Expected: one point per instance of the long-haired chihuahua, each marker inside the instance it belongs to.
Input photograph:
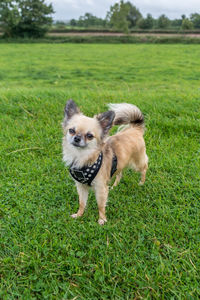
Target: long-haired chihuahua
(94, 157)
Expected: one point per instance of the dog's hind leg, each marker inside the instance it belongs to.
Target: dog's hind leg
(117, 180)
(143, 177)
(143, 172)
(83, 196)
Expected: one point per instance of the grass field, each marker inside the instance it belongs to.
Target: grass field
(150, 247)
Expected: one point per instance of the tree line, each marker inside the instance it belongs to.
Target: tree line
(124, 16)
(33, 18)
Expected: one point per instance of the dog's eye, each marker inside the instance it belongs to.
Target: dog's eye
(72, 131)
(89, 136)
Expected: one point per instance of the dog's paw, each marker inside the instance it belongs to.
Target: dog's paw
(102, 222)
(74, 216)
(140, 183)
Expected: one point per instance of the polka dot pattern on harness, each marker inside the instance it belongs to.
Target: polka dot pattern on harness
(86, 174)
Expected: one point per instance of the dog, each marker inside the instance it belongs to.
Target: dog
(94, 157)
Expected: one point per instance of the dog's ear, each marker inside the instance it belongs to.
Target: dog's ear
(70, 109)
(106, 121)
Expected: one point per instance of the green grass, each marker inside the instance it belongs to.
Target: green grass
(149, 249)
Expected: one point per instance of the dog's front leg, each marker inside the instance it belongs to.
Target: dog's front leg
(82, 190)
(101, 196)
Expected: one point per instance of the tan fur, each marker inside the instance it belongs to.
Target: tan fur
(128, 145)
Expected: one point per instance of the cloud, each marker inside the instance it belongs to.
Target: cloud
(172, 8)
(68, 9)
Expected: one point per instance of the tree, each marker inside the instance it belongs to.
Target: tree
(163, 22)
(25, 18)
(133, 15)
(186, 24)
(73, 22)
(122, 16)
(89, 20)
(118, 17)
(195, 18)
(146, 23)
(176, 22)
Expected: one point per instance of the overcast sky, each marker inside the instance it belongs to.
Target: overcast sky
(68, 9)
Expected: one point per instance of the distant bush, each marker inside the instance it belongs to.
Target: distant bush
(88, 20)
(126, 39)
(187, 24)
(146, 23)
(163, 22)
(195, 19)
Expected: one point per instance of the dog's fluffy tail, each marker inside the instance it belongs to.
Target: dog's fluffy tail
(127, 114)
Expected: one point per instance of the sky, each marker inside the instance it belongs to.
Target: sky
(73, 9)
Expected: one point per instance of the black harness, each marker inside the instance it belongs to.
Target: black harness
(114, 165)
(86, 174)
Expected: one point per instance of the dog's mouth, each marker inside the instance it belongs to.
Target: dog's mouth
(78, 145)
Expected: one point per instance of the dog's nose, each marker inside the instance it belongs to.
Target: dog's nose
(77, 138)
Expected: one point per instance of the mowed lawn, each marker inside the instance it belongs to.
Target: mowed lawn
(150, 247)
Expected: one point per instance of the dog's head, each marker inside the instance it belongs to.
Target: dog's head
(83, 132)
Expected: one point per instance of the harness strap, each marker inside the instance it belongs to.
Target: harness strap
(86, 174)
(114, 165)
